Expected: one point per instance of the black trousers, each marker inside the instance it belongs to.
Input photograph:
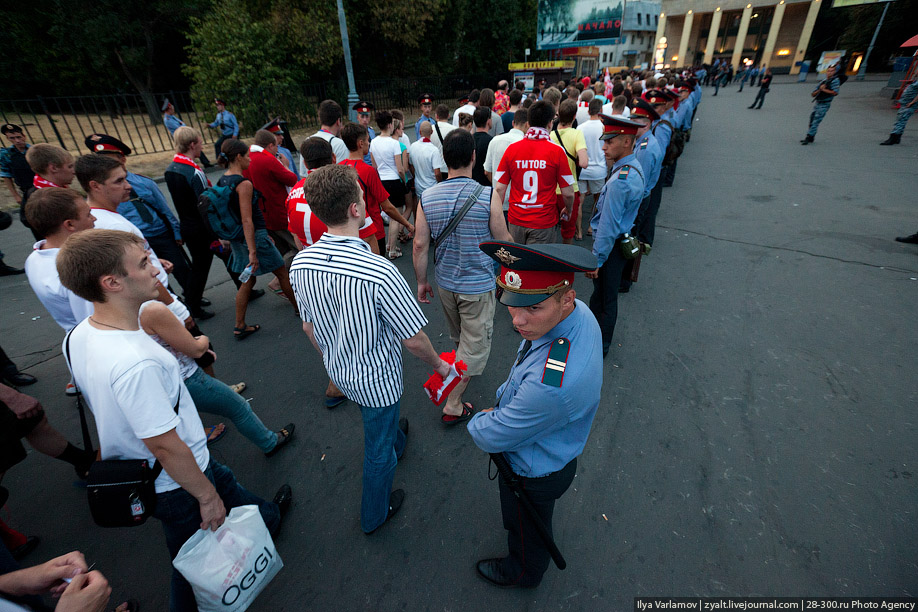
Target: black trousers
(604, 301)
(760, 97)
(529, 558)
(198, 240)
(217, 146)
(668, 174)
(638, 231)
(645, 225)
(6, 364)
(165, 248)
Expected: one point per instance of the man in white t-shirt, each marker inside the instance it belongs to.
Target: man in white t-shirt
(105, 182)
(330, 124)
(426, 161)
(593, 177)
(142, 408)
(469, 104)
(499, 144)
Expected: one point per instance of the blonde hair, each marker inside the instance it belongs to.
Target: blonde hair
(41, 156)
(184, 137)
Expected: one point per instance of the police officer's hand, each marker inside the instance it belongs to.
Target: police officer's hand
(592, 274)
(425, 292)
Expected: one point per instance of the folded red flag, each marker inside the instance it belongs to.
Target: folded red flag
(438, 389)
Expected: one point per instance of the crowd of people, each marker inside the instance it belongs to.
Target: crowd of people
(495, 194)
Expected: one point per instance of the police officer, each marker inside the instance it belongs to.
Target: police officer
(545, 408)
(172, 123)
(613, 217)
(148, 210)
(650, 156)
(426, 102)
(14, 169)
(907, 106)
(364, 109)
(226, 123)
(822, 100)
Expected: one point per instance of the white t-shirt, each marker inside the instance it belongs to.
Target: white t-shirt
(187, 365)
(496, 149)
(607, 110)
(445, 128)
(338, 148)
(106, 219)
(65, 307)
(596, 170)
(384, 150)
(468, 109)
(583, 113)
(425, 157)
(131, 384)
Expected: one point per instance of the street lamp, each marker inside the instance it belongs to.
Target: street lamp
(352, 98)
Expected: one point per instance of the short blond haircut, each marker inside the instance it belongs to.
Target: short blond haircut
(185, 137)
(88, 256)
(41, 156)
(552, 95)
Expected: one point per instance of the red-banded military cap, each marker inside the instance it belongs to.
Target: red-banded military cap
(10, 128)
(425, 99)
(103, 143)
(530, 273)
(463, 99)
(616, 126)
(273, 126)
(363, 107)
(642, 108)
(654, 96)
(219, 101)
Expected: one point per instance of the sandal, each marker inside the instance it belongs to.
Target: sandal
(395, 253)
(283, 436)
(245, 332)
(213, 436)
(239, 387)
(453, 419)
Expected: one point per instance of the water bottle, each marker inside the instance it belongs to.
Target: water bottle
(246, 274)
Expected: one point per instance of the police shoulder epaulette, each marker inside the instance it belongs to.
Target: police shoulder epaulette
(553, 373)
(644, 145)
(623, 173)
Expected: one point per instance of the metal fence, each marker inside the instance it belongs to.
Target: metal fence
(135, 118)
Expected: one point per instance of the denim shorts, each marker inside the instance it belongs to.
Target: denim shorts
(269, 258)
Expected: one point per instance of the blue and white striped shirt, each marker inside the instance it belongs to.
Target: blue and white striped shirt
(361, 308)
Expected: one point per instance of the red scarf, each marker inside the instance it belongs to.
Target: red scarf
(537, 133)
(41, 183)
(425, 139)
(184, 159)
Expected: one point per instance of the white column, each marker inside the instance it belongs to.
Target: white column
(804, 41)
(741, 37)
(773, 33)
(712, 35)
(683, 42)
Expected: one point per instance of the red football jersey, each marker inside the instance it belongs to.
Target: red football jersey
(308, 227)
(534, 169)
(373, 192)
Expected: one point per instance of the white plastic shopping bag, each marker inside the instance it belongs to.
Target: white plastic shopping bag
(229, 567)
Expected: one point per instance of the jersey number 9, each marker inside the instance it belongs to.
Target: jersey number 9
(530, 186)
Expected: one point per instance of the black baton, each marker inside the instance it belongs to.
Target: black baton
(513, 481)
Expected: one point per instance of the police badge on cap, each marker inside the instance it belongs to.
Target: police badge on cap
(530, 273)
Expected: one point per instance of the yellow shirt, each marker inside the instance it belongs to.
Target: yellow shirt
(573, 142)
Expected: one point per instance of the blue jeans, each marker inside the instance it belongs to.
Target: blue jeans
(214, 397)
(383, 445)
(181, 518)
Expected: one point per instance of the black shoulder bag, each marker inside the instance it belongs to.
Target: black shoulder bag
(573, 158)
(451, 226)
(121, 492)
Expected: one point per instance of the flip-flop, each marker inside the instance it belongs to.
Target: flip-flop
(239, 387)
(451, 419)
(244, 332)
(211, 431)
(333, 402)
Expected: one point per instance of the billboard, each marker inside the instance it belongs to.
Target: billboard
(838, 3)
(579, 23)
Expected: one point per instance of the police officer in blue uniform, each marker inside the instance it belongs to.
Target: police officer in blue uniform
(148, 210)
(172, 123)
(363, 109)
(546, 407)
(426, 102)
(226, 123)
(650, 156)
(14, 169)
(613, 217)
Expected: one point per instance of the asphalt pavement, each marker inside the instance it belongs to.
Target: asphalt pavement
(756, 434)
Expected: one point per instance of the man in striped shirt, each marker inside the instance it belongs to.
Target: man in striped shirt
(357, 310)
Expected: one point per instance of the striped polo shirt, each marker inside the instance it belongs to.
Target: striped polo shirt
(460, 266)
(361, 308)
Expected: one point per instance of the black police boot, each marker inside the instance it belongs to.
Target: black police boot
(893, 139)
(807, 140)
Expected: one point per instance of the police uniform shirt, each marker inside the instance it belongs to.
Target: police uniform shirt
(172, 123)
(617, 206)
(144, 214)
(289, 156)
(417, 125)
(230, 127)
(13, 165)
(542, 427)
(649, 154)
(662, 131)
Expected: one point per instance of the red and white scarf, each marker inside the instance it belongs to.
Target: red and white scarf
(537, 133)
(41, 183)
(184, 159)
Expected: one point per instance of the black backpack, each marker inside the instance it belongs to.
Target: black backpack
(676, 144)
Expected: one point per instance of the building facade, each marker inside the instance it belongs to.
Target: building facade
(639, 25)
(775, 34)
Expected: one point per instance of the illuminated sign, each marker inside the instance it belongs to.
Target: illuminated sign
(554, 65)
